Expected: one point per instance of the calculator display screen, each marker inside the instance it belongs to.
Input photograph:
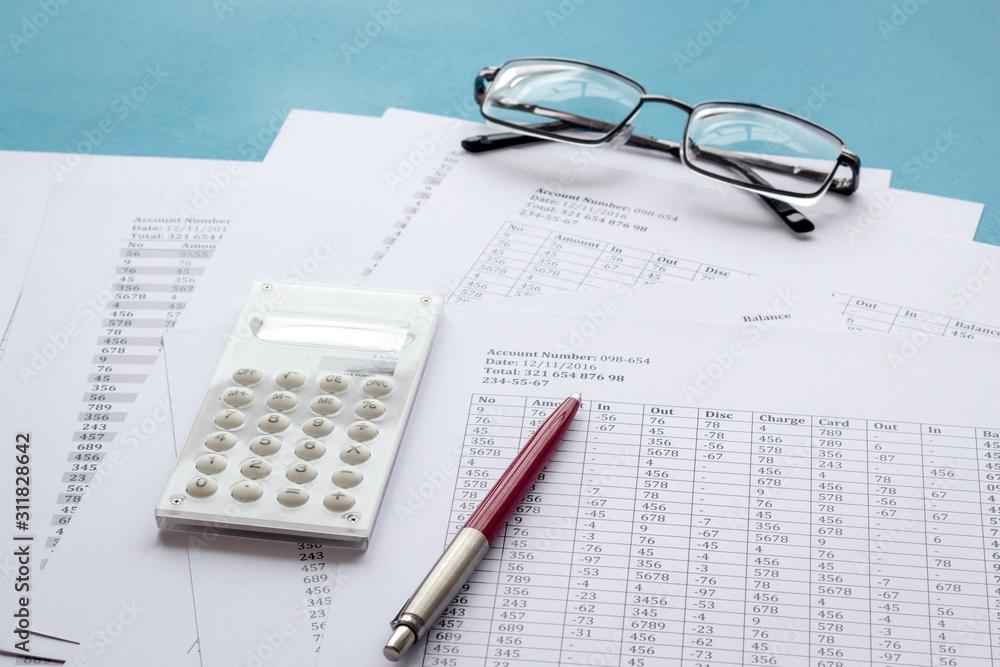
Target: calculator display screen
(339, 331)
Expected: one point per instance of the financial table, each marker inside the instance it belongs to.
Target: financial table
(525, 260)
(666, 535)
(160, 263)
(865, 314)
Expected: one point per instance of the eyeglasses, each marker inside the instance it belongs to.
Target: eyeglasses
(578, 103)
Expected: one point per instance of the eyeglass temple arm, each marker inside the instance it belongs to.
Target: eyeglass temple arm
(792, 217)
(490, 142)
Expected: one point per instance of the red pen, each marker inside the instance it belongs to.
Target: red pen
(462, 556)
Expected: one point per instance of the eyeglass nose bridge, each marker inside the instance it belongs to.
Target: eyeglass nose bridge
(625, 133)
(653, 99)
(662, 99)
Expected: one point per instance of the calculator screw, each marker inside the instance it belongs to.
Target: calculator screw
(176, 500)
(266, 286)
(425, 300)
(353, 517)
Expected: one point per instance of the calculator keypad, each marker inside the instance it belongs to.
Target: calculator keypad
(289, 426)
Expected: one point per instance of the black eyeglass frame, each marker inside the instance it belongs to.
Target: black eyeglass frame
(779, 200)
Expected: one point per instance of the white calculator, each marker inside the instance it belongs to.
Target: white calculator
(304, 413)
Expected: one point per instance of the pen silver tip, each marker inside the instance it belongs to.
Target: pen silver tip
(578, 396)
(402, 638)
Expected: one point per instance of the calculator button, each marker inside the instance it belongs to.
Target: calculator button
(300, 473)
(318, 427)
(325, 405)
(273, 423)
(338, 501)
(334, 383)
(293, 496)
(229, 419)
(282, 400)
(201, 487)
(370, 408)
(247, 376)
(377, 387)
(362, 431)
(265, 445)
(290, 379)
(256, 468)
(346, 478)
(310, 450)
(247, 492)
(237, 397)
(355, 454)
(220, 441)
(211, 464)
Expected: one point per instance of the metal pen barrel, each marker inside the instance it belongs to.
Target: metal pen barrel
(452, 570)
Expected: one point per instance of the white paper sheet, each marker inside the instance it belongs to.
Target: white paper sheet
(543, 232)
(853, 481)
(117, 581)
(322, 191)
(113, 267)
(121, 203)
(25, 187)
(26, 179)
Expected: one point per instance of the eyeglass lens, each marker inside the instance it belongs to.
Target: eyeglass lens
(790, 155)
(565, 99)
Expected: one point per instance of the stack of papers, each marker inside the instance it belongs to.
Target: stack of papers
(786, 452)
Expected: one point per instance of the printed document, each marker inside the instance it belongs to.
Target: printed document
(722, 498)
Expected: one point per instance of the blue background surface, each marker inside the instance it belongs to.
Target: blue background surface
(910, 85)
